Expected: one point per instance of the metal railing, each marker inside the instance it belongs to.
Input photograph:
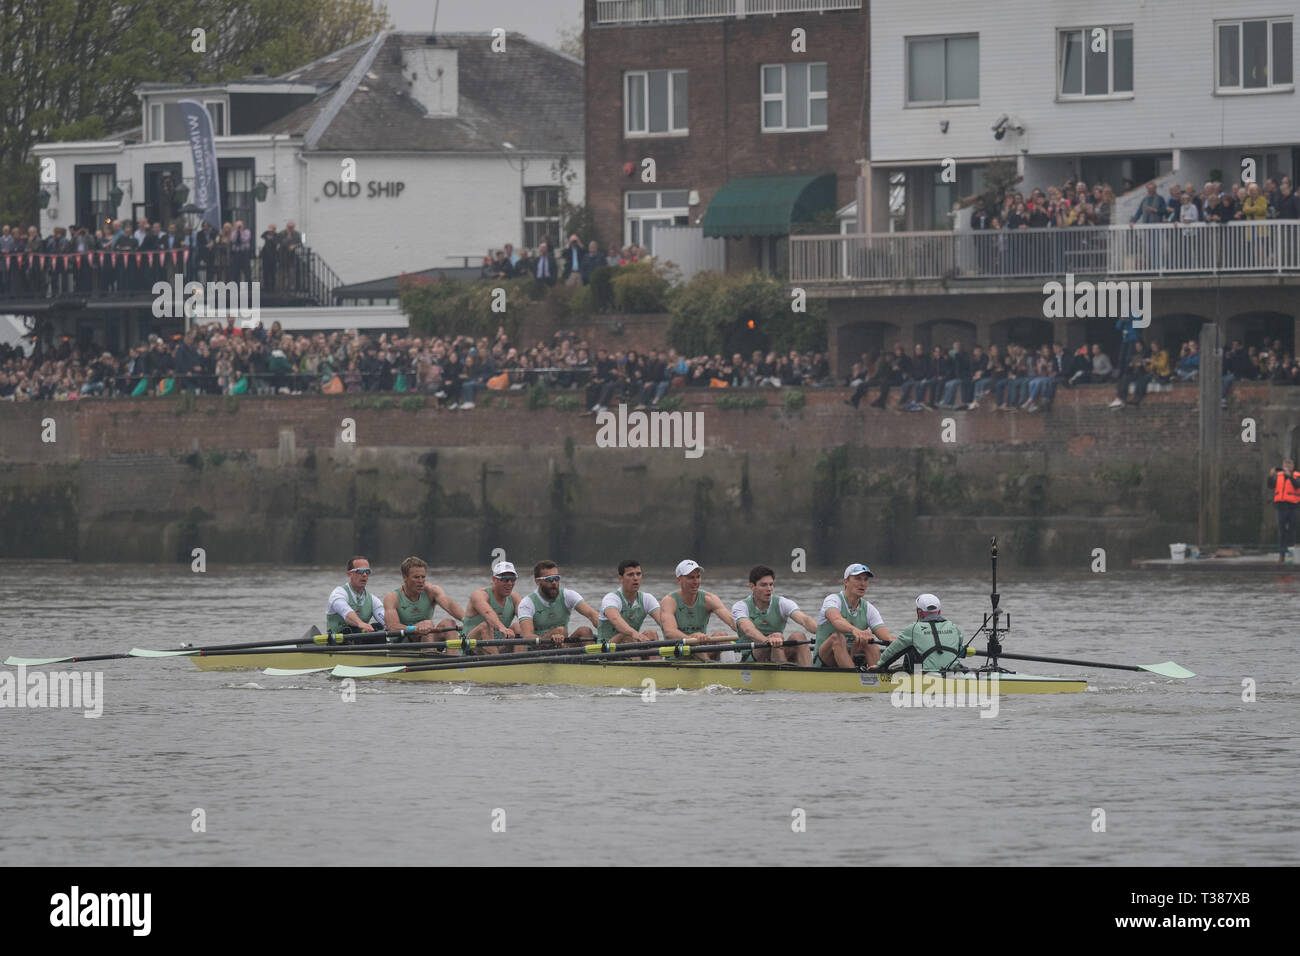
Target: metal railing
(304, 278)
(652, 11)
(1271, 246)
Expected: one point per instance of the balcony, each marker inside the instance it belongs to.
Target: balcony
(1269, 247)
(613, 12)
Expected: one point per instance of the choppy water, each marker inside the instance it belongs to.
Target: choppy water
(287, 773)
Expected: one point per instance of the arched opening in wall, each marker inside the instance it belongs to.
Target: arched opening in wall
(1263, 330)
(1172, 331)
(944, 332)
(1024, 331)
(854, 338)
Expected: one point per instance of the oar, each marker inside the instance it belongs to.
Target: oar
(1165, 669)
(414, 649)
(677, 649)
(311, 635)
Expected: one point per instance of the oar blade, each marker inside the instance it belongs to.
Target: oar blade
(1168, 669)
(346, 670)
(144, 652)
(35, 661)
(292, 671)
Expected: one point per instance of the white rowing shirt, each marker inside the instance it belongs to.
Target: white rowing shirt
(741, 609)
(874, 620)
(615, 600)
(338, 604)
(526, 609)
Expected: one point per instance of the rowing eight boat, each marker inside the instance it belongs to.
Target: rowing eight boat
(666, 675)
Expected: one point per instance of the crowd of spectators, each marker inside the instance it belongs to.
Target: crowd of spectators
(131, 256)
(1076, 204)
(1015, 377)
(573, 266)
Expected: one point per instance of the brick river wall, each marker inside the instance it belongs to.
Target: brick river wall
(274, 480)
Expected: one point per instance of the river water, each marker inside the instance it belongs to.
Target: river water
(286, 772)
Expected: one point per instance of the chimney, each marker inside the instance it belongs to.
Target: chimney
(432, 78)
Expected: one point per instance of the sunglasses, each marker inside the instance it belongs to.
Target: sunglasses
(360, 571)
(550, 578)
(504, 577)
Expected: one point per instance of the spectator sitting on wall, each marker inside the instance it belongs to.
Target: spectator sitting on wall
(1080, 368)
(1189, 362)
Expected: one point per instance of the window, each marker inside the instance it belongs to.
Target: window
(943, 70)
(541, 215)
(155, 123)
(646, 210)
(237, 203)
(1096, 61)
(217, 110)
(794, 97)
(654, 103)
(94, 208)
(1253, 55)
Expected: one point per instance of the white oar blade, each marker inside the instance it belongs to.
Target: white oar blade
(143, 652)
(35, 661)
(1168, 669)
(293, 672)
(345, 670)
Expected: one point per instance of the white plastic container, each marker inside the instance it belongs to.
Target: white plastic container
(1178, 552)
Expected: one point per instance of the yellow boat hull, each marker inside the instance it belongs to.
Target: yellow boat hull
(668, 675)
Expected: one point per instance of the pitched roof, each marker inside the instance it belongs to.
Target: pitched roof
(530, 97)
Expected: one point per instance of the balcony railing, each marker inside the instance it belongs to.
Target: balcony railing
(654, 11)
(128, 278)
(1271, 246)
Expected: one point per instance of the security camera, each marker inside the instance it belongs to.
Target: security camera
(1001, 125)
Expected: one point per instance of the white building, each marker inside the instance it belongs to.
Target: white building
(455, 147)
(1103, 90)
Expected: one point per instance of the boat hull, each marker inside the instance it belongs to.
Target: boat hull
(668, 675)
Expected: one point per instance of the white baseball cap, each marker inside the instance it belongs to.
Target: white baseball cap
(928, 604)
(685, 568)
(853, 570)
(503, 567)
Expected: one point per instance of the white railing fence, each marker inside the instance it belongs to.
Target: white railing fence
(1272, 246)
(651, 11)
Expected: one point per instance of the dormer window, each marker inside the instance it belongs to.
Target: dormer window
(217, 110)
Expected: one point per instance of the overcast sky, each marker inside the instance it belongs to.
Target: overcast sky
(538, 19)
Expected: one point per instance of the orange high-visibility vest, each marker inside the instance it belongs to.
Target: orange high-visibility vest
(1287, 488)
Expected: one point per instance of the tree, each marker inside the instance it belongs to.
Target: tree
(570, 39)
(75, 66)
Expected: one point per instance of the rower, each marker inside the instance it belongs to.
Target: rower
(685, 612)
(623, 611)
(545, 612)
(492, 609)
(847, 621)
(351, 607)
(761, 618)
(413, 603)
(931, 642)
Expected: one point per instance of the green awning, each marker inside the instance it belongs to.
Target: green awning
(766, 205)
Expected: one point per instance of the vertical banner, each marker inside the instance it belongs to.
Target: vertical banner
(203, 147)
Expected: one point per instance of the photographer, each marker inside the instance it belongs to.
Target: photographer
(1285, 483)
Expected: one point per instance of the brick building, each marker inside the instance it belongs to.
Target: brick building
(751, 126)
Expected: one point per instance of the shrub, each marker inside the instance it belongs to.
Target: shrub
(794, 400)
(451, 307)
(639, 287)
(670, 403)
(412, 403)
(538, 398)
(565, 403)
(741, 313)
(602, 287)
(742, 402)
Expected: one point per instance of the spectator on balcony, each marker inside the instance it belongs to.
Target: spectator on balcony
(572, 261)
(1288, 206)
(592, 261)
(290, 248)
(241, 253)
(979, 217)
(141, 232)
(545, 269)
(1189, 211)
(1215, 210)
(269, 256)
(1254, 207)
(1151, 209)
